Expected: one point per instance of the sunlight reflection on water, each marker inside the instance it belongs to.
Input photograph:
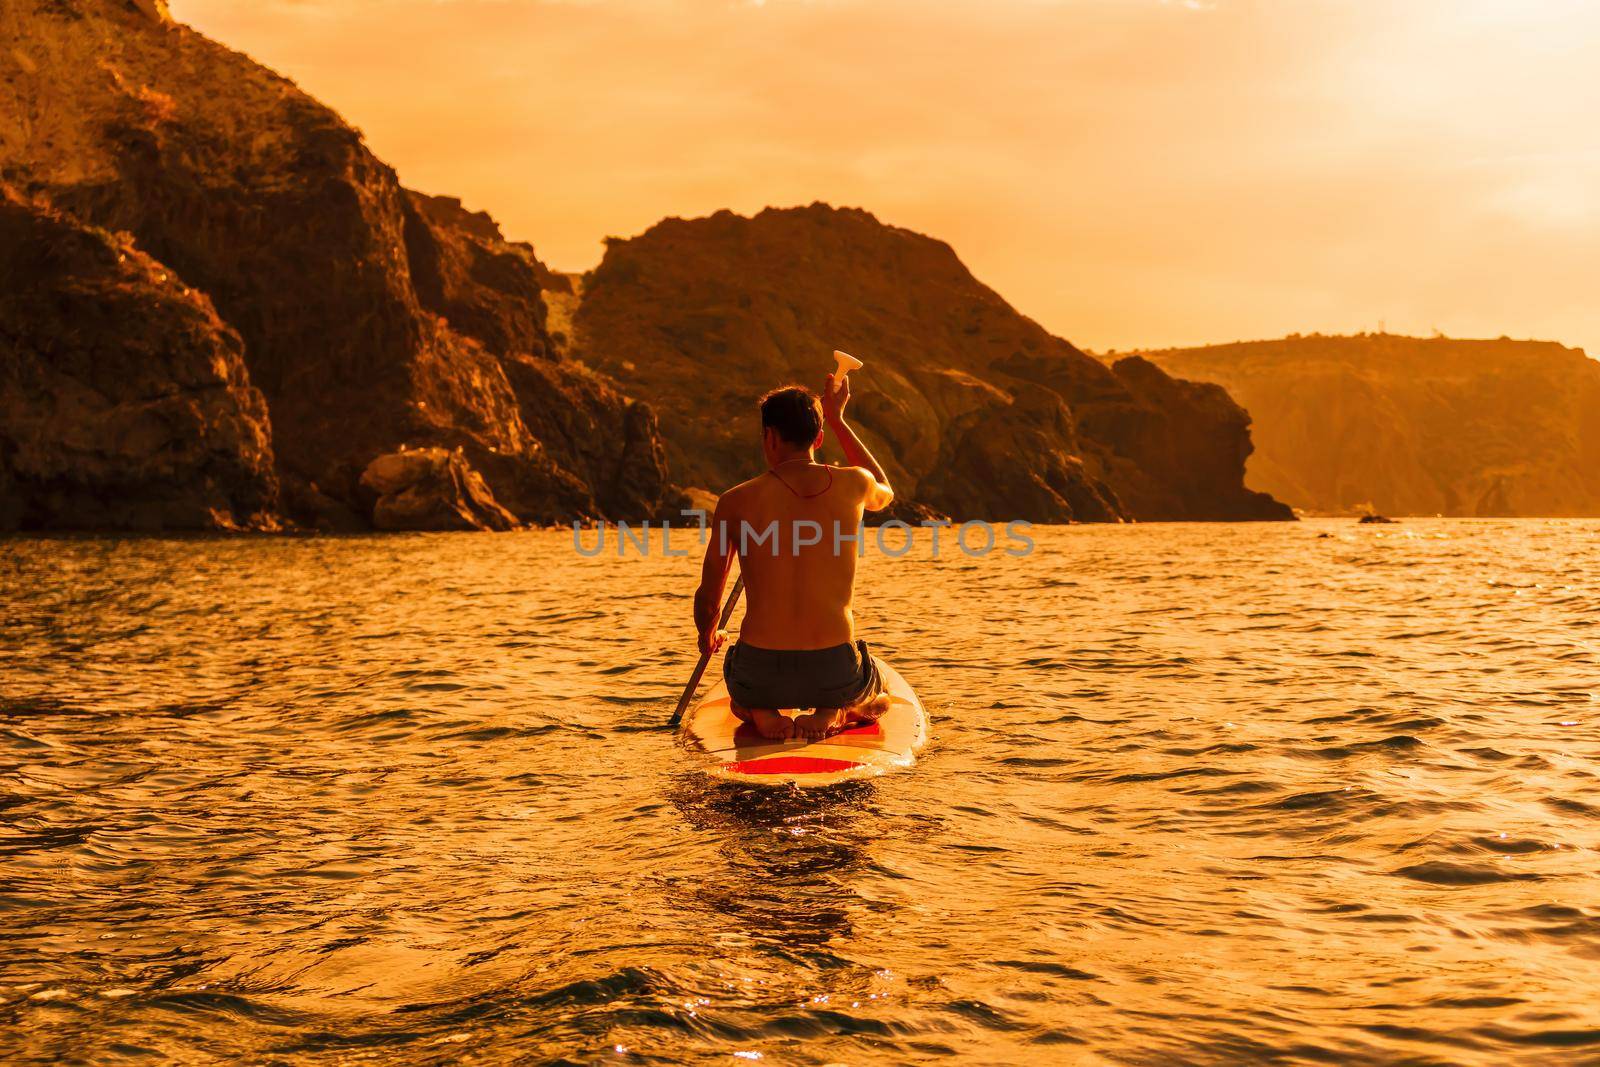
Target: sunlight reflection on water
(1273, 793)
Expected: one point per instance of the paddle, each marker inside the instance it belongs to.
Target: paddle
(705, 657)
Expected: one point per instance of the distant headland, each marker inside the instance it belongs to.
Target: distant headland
(1414, 425)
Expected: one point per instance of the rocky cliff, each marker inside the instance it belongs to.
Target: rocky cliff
(1415, 426)
(372, 320)
(608, 456)
(124, 399)
(975, 409)
(397, 351)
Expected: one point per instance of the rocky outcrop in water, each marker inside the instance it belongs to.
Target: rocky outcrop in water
(1173, 449)
(371, 319)
(973, 408)
(431, 489)
(124, 399)
(1415, 426)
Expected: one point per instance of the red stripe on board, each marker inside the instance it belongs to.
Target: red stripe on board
(790, 765)
(746, 735)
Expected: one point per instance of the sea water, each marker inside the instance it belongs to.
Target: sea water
(1279, 793)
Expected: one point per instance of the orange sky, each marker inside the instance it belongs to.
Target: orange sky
(1129, 172)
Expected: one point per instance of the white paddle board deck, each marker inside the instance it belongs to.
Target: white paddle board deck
(735, 751)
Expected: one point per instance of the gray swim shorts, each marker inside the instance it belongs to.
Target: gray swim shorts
(810, 678)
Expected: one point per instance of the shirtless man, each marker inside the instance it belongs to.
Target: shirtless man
(794, 529)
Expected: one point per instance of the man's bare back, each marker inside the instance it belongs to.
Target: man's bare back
(795, 529)
(798, 595)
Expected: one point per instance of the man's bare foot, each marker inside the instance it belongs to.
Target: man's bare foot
(869, 711)
(818, 724)
(773, 725)
(825, 721)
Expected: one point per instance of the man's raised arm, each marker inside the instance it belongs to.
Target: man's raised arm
(834, 397)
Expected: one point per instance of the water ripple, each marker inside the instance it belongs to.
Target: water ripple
(1203, 794)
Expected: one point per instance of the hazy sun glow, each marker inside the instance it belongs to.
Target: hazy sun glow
(1130, 172)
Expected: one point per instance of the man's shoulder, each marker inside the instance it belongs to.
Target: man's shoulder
(859, 477)
(864, 484)
(739, 492)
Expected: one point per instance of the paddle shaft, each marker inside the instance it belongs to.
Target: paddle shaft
(705, 657)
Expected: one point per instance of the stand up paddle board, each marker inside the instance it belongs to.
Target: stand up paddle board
(735, 751)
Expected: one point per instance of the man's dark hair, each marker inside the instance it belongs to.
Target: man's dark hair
(793, 411)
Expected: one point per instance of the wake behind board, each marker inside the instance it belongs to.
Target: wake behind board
(735, 751)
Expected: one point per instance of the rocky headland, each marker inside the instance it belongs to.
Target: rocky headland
(978, 411)
(1412, 425)
(124, 399)
(222, 311)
